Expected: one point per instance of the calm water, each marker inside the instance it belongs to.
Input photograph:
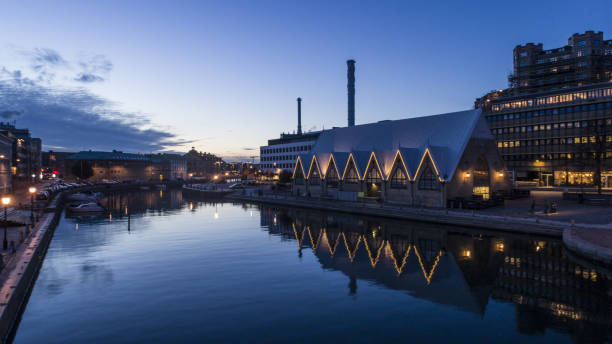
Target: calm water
(178, 270)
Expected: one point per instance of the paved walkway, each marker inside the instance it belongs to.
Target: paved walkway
(593, 243)
(567, 210)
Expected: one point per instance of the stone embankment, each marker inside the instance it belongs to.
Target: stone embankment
(592, 243)
(21, 271)
(531, 225)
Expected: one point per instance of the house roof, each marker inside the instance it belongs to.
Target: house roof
(443, 136)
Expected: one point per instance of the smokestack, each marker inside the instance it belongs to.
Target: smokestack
(350, 74)
(299, 100)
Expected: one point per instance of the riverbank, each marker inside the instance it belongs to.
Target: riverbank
(21, 271)
(535, 225)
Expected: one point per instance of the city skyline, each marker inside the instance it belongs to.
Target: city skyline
(225, 79)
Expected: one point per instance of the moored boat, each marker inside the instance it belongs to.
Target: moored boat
(90, 207)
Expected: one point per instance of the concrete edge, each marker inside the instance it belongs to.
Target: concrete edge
(21, 273)
(586, 248)
(507, 225)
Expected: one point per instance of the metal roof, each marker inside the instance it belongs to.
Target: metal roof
(443, 137)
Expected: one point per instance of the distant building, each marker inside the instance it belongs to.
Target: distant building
(6, 153)
(202, 164)
(54, 163)
(121, 166)
(26, 152)
(424, 161)
(281, 153)
(554, 124)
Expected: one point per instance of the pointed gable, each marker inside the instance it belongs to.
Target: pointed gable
(323, 162)
(411, 158)
(306, 160)
(361, 159)
(341, 159)
(385, 159)
(446, 134)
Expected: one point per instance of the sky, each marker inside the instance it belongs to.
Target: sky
(223, 76)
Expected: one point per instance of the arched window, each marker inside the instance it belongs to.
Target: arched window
(351, 176)
(332, 175)
(428, 180)
(399, 179)
(299, 175)
(315, 177)
(373, 175)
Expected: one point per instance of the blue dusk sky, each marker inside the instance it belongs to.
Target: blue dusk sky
(223, 76)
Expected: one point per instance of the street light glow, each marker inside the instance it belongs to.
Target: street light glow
(32, 189)
(6, 200)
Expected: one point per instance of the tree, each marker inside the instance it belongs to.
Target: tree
(82, 170)
(284, 177)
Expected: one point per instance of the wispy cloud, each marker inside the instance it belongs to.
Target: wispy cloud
(85, 77)
(74, 118)
(94, 68)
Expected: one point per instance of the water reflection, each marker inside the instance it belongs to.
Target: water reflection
(459, 267)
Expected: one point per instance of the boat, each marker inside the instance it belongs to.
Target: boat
(90, 207)
(83, 197)
(207, 190)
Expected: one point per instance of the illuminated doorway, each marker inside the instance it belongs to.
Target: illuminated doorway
(482, 181)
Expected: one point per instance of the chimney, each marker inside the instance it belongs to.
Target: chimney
(351, 91)
(299, 100)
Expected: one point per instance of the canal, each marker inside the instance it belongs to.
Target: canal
(165, 267)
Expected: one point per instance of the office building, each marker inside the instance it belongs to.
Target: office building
(553, 125)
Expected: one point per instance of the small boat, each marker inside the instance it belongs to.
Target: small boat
(91, 207)
(207, 190)
(83, 197)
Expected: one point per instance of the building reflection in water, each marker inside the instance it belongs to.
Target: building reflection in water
(459, 267)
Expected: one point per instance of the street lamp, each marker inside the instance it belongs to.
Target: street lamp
(5, 202)
(32, 191)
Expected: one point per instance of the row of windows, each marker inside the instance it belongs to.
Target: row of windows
(278, 157)
(558, 141)
(289, 165)
(286, 149)
(558, 156)
(549, 112)
(399, 178)
(548, 100)
(551, 126)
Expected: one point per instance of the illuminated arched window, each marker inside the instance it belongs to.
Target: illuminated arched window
(332, 175)
(299, 175)
(399, 178)
(373, 175)
(315, 177)
(428, 180)
(351, 176)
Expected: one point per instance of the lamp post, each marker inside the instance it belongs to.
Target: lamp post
(5, 202)
(32, 191)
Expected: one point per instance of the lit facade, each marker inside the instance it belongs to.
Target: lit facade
(26, 159)
(281, 153)
(121, 166)
(424, 161)
(554, 124)
(6, 153)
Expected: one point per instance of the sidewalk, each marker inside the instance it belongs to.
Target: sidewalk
(594, 243)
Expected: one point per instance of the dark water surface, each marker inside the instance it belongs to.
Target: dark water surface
(179, 270)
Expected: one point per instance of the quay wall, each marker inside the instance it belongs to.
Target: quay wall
(439, 216)
(19, 275)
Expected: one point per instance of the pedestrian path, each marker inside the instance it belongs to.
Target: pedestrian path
(594, 243)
